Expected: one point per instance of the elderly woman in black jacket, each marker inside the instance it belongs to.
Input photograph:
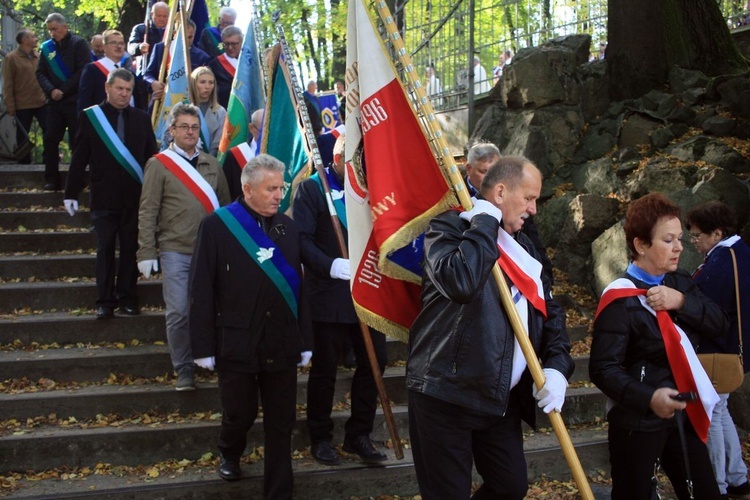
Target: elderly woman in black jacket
(642, 356)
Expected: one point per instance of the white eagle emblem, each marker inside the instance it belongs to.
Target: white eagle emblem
(264, 254)
(52, 55)
(337, 195)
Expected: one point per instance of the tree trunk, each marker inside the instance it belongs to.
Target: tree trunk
(646, 38)
(133, 12)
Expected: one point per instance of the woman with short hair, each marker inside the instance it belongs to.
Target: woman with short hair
(713, 232)
(642, 357)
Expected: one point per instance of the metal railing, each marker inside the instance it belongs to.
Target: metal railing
(443, 39)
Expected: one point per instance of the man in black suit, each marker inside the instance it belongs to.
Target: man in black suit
(225, 65)
(115, 140)
(252, 323)
(91, 89)
(61, 63)
(328, 275)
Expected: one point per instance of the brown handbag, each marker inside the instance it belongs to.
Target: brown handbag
(725, 370)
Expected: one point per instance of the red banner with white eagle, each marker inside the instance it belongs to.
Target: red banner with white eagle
(394, 185)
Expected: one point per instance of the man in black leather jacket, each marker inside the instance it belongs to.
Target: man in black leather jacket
(468, 384)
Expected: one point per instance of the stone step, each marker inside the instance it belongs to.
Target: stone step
(44, 447)
(65, 328)
(582, 404)
(21, 199)
(95, 364)
(352, 479)
(14, 176)
(49, 267)
(47, 242)
(127, 400)
(43, 219)
(58, 295)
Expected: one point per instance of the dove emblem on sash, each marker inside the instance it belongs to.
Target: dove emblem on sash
(337, 195)
(264, 254)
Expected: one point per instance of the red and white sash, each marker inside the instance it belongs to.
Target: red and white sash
(688, 373)
(190, 177)
(243, 153)
(525, 272)
(105, 65)
(229, 65)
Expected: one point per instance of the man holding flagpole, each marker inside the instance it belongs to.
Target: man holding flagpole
(114, 140)
(469, 386)
(181, 185)
(334, 320)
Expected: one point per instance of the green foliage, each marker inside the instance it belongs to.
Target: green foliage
(310, 27)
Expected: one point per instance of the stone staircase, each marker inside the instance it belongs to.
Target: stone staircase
(88, 408)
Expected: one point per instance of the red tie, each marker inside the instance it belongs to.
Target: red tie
(678, 362)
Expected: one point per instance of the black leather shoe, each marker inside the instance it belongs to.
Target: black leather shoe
(362, 446)
(130, 310)
(229, 470)
(104, 312)
(325, 454)
(52, 185)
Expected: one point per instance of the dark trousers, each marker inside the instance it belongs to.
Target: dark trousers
(322, 382)
(445, 438)
(633, 455)
(26, 116)
(59, 117)
(109, 225)
(239, 400)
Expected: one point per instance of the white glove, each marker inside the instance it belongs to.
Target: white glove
(482, 207)
(340, 269)
(146, 267)
(71, 206)
(305, 357)
(208, 363)
(552, 395)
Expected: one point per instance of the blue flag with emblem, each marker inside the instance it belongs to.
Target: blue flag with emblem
(177, 85)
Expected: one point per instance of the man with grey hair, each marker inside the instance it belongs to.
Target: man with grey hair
(313, 107)
(237, 157)
(97, 47)
(250, 320)
(58, 72)
(480, 157)
(141, 40)
(224, 65)
(211, 40)
(22, 94)
(468, 382)
(181, 185)
(114, 141)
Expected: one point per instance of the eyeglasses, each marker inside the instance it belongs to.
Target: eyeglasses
(695, 236)
(116, 44)
(185, 128)
(232, 44)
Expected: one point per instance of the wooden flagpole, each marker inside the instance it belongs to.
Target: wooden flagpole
(163, 67)
(319, 167)
(445, 159)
